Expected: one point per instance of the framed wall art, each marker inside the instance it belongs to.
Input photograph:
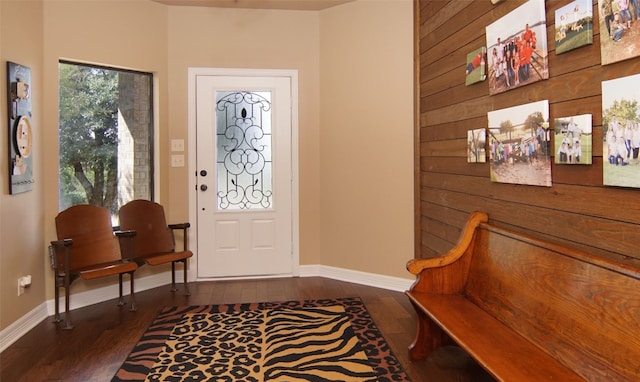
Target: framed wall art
(476, 146)
(519, 144)
(573, 142)
(620, 132)
(618, 30)
(574, 26)
(475, 69)
(20, 128)
(517, 48)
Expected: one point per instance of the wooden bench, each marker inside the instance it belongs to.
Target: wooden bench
(528, 310)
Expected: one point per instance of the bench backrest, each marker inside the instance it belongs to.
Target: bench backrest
(582, 310)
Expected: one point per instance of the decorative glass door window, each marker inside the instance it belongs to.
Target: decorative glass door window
(243, 145)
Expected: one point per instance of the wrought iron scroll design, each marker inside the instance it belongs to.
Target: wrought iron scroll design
(242, 154)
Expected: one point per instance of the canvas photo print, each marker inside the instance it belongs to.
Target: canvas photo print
(519, 139)
(621, 133)
(572, 141)
(574, 26)
(476, 146)
(475, 70)
(517, 48)
(619, 30)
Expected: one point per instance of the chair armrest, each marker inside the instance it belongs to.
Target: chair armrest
(125, 234)
(183, 227)
(62, 243)
(127, 244)
(180, 226)
(57, 245)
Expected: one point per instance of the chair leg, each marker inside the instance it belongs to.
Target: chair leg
(56, 317)
(120, 298)
(67, 315)
(186, 285)
(173, 276)
(133, 307)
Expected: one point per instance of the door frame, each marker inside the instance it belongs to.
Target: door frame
(193, 73)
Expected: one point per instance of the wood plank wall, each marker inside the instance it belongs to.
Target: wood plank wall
(577, 211)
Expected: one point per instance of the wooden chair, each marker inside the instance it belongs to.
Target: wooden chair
(87, 248)
(154, 242)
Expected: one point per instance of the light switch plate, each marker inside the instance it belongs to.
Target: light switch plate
(177, 160)
(177, 145)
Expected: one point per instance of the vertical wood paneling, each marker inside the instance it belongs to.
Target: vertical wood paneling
(577, 211)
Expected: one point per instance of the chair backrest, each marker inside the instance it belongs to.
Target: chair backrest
(147, 218)
(93, 239)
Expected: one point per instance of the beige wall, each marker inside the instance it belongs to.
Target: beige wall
(366, 137)
(21, 220)
(131, 35)
(355, 118)
(263, 39)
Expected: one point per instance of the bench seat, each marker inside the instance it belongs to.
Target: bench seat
(507, 356)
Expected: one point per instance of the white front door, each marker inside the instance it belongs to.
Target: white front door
(244, 175)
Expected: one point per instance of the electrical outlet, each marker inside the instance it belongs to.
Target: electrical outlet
(23, 282)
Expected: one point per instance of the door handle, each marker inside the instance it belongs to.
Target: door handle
(203, 187)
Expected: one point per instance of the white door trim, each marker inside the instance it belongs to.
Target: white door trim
(191, 157)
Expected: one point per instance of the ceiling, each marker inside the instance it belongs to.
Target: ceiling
(297, 5)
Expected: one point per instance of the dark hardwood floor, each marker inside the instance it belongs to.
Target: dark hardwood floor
(104, 333)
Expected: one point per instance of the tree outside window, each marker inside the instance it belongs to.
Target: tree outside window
(106, 136)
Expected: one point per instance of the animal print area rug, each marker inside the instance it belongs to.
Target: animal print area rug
(311, 340)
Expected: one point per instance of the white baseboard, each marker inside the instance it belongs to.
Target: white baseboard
(370, 279)
(93, 296)
(17, 329)
(78, 300)
(13, 332)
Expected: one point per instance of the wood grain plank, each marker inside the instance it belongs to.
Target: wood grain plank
(447, 109)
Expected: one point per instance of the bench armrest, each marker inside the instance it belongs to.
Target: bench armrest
(447, 274)
(415, 266)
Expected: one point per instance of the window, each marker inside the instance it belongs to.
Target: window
(243, 149)
(106, 136)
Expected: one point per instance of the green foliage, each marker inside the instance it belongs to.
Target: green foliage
(624, 110)
(73, 193)
(88, 123)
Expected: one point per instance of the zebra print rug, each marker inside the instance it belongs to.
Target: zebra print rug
(310, 340)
